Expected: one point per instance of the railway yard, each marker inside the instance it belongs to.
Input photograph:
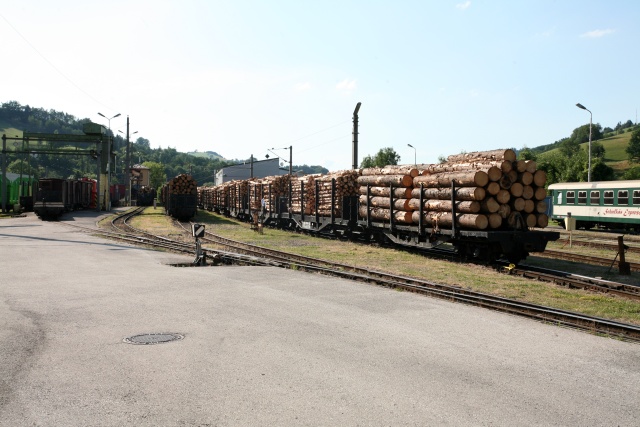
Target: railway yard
(284, 328)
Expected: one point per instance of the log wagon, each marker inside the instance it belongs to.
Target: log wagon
(180, 197)
(484, 205)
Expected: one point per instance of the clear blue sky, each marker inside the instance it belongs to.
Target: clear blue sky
(242, 76)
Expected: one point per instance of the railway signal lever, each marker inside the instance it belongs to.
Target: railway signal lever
(197, 230)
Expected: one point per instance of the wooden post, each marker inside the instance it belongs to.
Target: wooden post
(623, 266)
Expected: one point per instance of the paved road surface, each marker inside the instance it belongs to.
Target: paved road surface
(266, 346)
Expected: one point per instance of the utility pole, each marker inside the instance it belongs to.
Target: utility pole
(355, 136)
(128, 170)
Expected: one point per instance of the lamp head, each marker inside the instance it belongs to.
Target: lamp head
(410, 145)
(581, 106)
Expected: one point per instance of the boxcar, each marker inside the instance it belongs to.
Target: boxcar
(53, 197)
(606, 204)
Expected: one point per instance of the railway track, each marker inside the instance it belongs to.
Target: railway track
(121, 224)
(449, 292)
(253, 255)
(567, 256)
(576, 281)
(632, 247)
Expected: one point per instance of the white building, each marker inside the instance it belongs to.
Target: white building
(260, 168)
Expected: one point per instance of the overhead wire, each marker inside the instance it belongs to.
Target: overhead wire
(52, 65)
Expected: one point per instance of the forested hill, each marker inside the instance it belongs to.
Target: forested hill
(16, 118)
(615, 154)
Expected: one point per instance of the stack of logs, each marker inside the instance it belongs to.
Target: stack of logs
(379, 182)
(183, 184)
(237, 193)
(270, 188)
(346, 184)
(146, 190)
(303, 185)
(493, 190)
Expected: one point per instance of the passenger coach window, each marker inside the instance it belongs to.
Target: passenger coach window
(636, 197)
(582, 197)
(608, 197)
(623, 197)
(571, 197)
(595, 198)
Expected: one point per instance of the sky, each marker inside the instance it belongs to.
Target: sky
(242, 77)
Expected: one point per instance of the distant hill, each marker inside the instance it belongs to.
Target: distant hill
(615, 155)
(212, 155)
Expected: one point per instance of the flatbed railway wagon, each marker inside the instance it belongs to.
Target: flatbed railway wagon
(145, 196)
(180, 197)
(401, 210)
(605, 204)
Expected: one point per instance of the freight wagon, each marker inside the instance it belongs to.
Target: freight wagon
(145, 196)
(18, 190)
(402, 209)
(55, 196)
(179, 197)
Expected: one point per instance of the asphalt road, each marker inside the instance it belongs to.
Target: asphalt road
(272, 347)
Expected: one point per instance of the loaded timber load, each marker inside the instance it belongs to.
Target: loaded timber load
(484, 204)
(145, 196)
(498, 190)
(180, 197)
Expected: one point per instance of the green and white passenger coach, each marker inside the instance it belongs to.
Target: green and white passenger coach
(606, 204)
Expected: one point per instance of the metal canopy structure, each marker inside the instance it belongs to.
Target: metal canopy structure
(94, 135)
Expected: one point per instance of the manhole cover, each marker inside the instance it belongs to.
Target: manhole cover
(147, 339)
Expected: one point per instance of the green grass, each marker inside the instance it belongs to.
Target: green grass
(471, 276)
(615, 147)
(10, 131)
(615, 152)
(206, 154)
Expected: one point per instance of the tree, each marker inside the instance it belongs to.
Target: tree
(633, 149)
(387, 156)
(560, 168)
(569, 147)
(367, 162)
(18, 166)
(633, 173)
(157, 175)
(527, 154)
(384, 157)
(581, 134)
(597, 150)
(601, 171)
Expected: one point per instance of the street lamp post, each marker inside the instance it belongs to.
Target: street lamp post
(590, 124)
(290, 148)
(109, 140)
(415, 161)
